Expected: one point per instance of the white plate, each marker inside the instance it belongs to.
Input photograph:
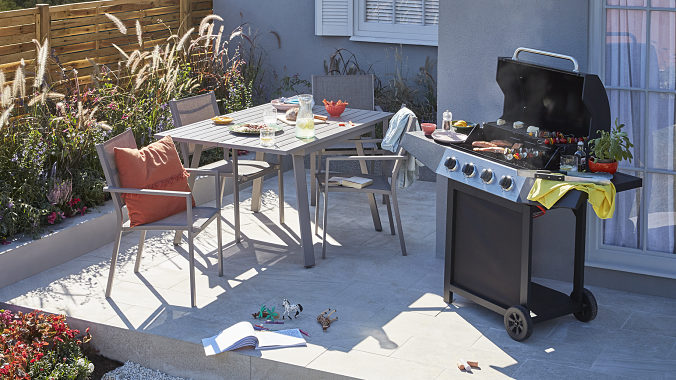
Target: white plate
(448, 137)
(283, 119)
(277, 103)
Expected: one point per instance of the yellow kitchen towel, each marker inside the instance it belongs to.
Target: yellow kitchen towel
(601, 197)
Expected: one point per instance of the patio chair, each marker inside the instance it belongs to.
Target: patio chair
(197, 108)
(386, 185)
(358, 91)
(194, 219)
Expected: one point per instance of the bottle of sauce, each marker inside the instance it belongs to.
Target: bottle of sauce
(581, 157)
(448, 121)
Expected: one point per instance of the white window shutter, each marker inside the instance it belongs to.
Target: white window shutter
(431, 12)
(332, 17)
(408, 12)
(379, 11)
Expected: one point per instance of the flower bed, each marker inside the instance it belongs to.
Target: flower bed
(41, 346)
(49, 170)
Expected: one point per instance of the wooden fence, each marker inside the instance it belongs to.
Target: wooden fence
(81, 31)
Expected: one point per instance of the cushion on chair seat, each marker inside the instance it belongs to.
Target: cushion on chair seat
(157, 167)
(201, 216)
(245, 168)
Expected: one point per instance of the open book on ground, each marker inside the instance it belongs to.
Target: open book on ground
(355, 182)
(242, 334)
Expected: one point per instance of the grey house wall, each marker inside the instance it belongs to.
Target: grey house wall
(302, 52)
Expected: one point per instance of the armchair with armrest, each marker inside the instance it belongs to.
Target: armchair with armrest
(386, 185)
(194, 219)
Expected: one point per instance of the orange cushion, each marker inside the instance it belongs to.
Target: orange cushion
(158, 167)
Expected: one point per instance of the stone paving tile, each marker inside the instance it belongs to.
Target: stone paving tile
(392, 319)
(540, 369)
(635, 366)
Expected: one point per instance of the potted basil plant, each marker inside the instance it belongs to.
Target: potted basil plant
(609, 149)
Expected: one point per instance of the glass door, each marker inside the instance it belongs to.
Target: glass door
(639, 71)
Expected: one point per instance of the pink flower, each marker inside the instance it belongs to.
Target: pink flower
(51, 218)
(83, 210)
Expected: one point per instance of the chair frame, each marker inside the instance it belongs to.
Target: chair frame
(220, 165)
(316, 157)
(387, 194)
(126, 140)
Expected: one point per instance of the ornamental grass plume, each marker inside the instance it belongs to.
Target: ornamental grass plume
(118, 23)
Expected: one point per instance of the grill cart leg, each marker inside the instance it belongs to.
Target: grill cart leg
(518, 323)
(581, 296)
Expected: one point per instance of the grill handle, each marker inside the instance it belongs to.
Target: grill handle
(547, 53)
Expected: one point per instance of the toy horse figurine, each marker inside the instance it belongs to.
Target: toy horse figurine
(289, 308)
(324, 318)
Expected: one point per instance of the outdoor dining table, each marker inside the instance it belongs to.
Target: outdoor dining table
(351, 124)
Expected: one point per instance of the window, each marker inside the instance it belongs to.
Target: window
(633, 49)
(395, 21)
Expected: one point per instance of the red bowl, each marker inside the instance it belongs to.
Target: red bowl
(335, 110)
(428, 128)
(610, 167)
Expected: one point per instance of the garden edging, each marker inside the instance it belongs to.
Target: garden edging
(70, 239)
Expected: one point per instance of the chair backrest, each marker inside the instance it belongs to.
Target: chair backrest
(106, 152)
(354, 89)
(410, 127)
(193, 109)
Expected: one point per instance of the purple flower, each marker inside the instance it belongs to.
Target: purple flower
(10, 204)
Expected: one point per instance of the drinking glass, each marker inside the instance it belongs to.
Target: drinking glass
(270, 117)
(568, 163)
(267, 136)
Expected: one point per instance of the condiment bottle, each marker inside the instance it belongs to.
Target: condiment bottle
(448, 121)
(581, 157)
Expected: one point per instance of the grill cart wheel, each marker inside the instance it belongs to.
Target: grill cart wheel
(518, 323)
(589, 307)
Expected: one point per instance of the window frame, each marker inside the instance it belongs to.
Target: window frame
(427, 35)
(600, 255)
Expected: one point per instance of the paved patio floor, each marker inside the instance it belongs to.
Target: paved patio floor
(392, 322)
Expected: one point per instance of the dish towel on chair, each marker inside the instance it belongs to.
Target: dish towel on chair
(601, 197)
(391, 142)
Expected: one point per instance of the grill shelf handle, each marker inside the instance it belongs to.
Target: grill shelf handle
(547, 53)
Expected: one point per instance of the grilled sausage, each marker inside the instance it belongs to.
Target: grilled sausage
(502, 143)
(483, 144)
(490, 149)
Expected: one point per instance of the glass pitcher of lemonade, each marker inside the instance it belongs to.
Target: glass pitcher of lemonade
(305, 122)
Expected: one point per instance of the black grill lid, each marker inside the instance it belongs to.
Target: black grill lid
(553, 99)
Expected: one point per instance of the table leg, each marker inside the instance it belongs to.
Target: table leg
(371, 197)
(257, 187)
(303, 210)
(235, 194)
(194, 163)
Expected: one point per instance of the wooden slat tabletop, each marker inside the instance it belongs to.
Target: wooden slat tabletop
(208, 134)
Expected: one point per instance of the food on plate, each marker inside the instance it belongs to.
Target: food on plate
(321, 117)
(483, 144)
(491, 149)
(221, 120)
(460, 123)
(291, 114)
(247, 128)
(333, 103)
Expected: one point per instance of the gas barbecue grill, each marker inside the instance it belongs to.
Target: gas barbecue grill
(487, 231)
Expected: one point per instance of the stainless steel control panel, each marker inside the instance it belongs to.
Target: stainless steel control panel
(481, 173)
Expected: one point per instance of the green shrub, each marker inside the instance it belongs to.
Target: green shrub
(49, 169)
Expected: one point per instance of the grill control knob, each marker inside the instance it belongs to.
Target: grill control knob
(451, 163)
(468, 170)
(506, 183)
(486, 176)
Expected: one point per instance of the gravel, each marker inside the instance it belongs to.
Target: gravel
(134, 371)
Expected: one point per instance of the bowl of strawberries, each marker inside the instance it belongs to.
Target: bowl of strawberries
(335, 109)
